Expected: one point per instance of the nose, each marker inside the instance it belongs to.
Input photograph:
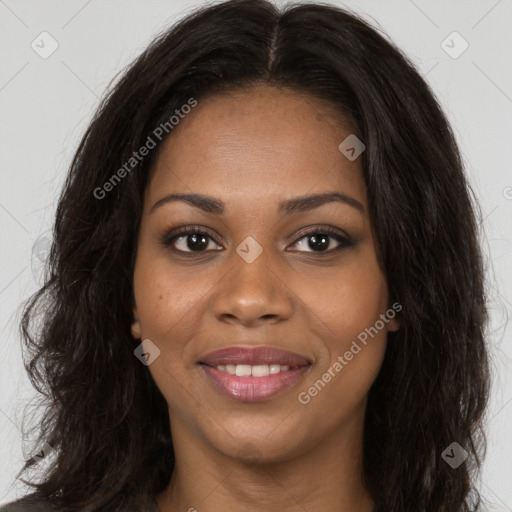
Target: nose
(252, 293)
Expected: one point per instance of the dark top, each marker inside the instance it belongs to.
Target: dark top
(29, 505)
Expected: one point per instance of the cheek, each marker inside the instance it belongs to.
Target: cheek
(166, 305)
(166, 298)
(170, 306)
(349, 301)
(353, 352)
(344, 312)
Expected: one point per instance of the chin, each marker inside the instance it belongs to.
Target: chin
(260, 449)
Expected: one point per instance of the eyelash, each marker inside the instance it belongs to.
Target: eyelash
(344, 240)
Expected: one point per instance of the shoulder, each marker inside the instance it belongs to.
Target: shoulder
(26, 504)
(33, 504)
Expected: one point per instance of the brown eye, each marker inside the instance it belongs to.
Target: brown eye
(189, 240)
(321, 241)
(198, 240)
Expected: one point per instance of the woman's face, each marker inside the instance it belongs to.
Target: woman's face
(259, 275)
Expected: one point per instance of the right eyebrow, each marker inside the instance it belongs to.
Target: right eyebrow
(205, 203)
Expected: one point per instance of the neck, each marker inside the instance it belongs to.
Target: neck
(328, 476)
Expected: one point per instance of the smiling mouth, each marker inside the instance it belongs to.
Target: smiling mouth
(253, 373)
(257, 370)
(253, 383)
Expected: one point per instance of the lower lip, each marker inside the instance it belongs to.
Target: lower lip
(253, 389)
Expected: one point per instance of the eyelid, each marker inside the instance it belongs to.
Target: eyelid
(344, 239)
(176, 233)
(325, 229)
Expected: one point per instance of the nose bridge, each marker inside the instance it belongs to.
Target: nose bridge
(253, 289)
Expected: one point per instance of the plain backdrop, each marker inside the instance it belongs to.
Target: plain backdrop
(46, 102)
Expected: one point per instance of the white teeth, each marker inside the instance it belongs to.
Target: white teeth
(275, 368)
(260, 370)
(243, 370)
(257, 370)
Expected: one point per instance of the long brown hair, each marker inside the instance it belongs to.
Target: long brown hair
(104, 417)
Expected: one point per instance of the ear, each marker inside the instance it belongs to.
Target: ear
(394, 315)
(394, 324)
(135, 328)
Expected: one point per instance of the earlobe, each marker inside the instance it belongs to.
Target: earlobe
(135, 328)
(394, 324)
(394, 315)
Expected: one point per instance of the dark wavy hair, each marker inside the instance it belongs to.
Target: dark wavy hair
(102, 412)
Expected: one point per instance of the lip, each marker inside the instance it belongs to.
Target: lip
(255, 355)
(254, 389)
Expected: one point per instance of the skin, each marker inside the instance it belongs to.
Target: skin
(252, 150)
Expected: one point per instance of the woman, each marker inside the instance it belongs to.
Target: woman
(265, 287)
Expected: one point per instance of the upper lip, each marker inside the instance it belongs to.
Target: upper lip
(254, 356)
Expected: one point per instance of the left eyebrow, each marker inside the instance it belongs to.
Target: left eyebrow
(294, 205)
(305, 203)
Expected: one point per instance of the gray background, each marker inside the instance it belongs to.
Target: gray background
(46, 103)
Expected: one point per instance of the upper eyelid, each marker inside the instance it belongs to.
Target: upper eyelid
(331, 231)
(187, 230)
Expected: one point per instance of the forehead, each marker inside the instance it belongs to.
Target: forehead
(258, 143)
